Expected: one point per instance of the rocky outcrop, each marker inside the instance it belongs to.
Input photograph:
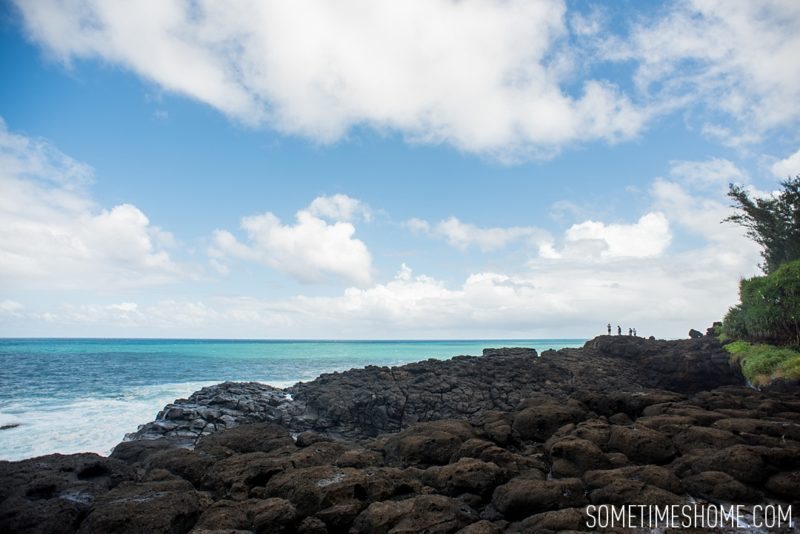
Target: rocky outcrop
(366, 402)
(508, 442)
(728, 445)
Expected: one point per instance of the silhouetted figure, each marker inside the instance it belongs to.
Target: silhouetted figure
(609, 329)
(634, 333)
(619, 330)
(630, 331)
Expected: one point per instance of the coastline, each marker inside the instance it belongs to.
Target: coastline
(508, 441)
(84, 395)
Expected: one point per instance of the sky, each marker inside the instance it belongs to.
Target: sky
(426, 169)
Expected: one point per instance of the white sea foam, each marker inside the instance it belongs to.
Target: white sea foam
(84, 424)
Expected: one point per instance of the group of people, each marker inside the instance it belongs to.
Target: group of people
(631, 331)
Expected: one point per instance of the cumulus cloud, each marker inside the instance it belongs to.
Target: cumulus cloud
(482, 75)
(52, 234)
(312, 250)
(788, 167)
(464, 235)
(570, 297)
(648, 237)
(737, 59)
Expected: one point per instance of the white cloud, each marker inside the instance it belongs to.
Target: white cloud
(482, 75)
(464, 235)
(568, 297)
(417, 225)
(339, 208)
(786, 168)
(10, 307)
(715, 172)
(648, 237)
(312, 250)
(737, 59)
(53, 236)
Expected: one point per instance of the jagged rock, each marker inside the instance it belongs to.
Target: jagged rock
(472, 444)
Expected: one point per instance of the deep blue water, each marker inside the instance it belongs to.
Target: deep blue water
(70, 395)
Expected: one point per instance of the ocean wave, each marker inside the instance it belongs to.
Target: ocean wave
(85, 424)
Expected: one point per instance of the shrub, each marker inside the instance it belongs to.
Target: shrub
(770, 308)
(763, 363)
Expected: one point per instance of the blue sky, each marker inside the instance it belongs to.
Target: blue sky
(385, 170)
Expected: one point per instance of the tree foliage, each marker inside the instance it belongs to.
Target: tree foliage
(772, 222)
(770, 308)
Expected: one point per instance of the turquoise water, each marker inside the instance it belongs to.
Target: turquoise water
(71, 395)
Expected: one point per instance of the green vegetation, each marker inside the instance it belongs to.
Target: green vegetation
(762, 363)
(773, 222)
(769, 311)
(766, 323)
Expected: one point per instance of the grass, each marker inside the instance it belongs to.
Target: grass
(761, 364)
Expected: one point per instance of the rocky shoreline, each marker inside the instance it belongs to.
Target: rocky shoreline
(507, 442)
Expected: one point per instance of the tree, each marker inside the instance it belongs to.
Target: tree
(770, 308)
(773, 222)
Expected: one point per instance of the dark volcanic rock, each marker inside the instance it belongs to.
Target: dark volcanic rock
(505, 442)
(522, 497)
(171, 507)
(54, 493)
(433, 514)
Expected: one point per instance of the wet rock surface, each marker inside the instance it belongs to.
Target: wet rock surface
(503, 443)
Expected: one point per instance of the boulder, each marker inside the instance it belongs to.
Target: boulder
(653, 475)
(571, 457)
(566, 519)
(172, 507)
(538, 423)
(467, 475)
(719, 487)
(786, 485)
(312, 489)
(624, 491)
(433, 514)
(426, 444)
(254, 515)
(54, 493)
(522, 497)
(257, 437)
(641, 444)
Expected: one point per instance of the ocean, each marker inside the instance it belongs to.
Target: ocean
(84, 395)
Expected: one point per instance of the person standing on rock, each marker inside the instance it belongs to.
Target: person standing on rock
(630, 331)
(609, 329)
(619, 330)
